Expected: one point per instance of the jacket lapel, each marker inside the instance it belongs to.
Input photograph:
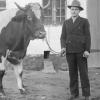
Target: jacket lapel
(76, 23)
(71, 25)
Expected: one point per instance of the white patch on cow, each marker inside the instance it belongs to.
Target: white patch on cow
(18, 70)
(36, 8)
(2, 64)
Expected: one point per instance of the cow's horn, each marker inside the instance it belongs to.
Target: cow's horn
(46, 4)
(19, 7)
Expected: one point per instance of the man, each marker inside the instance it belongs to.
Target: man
(75, 43)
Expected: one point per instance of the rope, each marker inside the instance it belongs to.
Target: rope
(51, 50)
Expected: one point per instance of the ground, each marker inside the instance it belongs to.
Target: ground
(46, 86)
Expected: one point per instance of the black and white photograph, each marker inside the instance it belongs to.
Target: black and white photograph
(49, 50)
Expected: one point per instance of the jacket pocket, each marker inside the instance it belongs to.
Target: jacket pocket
(75, 44)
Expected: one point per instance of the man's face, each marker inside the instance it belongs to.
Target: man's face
(75, 11)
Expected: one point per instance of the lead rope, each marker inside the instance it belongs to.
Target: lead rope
(51, 50)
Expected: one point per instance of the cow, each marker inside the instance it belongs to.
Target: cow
(15, 38)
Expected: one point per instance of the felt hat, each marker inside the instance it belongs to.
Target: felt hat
(75, 3)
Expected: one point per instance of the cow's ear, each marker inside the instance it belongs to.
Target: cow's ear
(19, 18)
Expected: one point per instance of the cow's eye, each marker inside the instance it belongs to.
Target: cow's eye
(29, 18)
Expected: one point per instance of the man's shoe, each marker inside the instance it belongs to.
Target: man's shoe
(72, 97)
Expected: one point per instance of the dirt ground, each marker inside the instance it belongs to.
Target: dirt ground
(46, 86)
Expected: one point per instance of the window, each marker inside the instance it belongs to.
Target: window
(55, 13)
(2, 5)
(60, 11)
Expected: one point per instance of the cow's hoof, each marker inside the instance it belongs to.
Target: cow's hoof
(22, 91)
(24, 86)
(2, 93)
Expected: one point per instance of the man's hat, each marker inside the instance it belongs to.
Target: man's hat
(75, 3)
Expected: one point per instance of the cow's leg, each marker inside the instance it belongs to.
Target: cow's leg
(2, 72)
(18, 69)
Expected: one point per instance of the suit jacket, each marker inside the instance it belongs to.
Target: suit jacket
(76, 36)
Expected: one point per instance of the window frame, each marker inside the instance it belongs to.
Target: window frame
(3, 7)
(54, 16)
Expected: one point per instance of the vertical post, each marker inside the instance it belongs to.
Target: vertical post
(93, 12)
(54, 11)
(65, 9)
(98, 25)
(60, 10)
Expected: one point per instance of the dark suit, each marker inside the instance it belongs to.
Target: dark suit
(76, 39)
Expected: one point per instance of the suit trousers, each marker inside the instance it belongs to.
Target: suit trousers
(78, 64)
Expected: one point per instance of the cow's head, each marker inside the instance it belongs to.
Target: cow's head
(32, 13)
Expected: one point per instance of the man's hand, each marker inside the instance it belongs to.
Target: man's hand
(86, 54)
(63, 52)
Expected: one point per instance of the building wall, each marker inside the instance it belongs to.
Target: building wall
(93, 14)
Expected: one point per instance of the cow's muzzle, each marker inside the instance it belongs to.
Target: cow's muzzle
(42, 35)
